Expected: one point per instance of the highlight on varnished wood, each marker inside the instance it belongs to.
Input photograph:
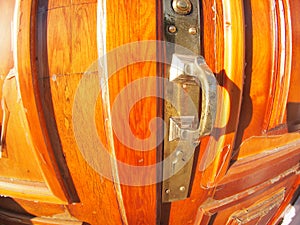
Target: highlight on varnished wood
(248, 167)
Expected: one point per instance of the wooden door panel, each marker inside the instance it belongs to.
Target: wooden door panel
(18, 152)
(123, 27)
(28, 169)
(258, 169)
(225, 210)
(82, 65)
(267, 72)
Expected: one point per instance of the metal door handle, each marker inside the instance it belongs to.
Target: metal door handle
(186, 129)
(193, 69)
(190, 78)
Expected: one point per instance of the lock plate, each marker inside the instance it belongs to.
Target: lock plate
(182, 29)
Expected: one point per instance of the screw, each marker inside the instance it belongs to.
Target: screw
(182, 7)
(172, 29)
(167, 191)
(182, 189)
(193, 31)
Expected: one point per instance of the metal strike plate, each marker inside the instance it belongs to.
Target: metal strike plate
(181, 27)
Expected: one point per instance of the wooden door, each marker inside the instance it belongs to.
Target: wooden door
(90, 75)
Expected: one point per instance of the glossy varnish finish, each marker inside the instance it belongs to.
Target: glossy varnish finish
(251, 158)
(134, 21)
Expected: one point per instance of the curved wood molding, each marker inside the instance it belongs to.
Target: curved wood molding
(51, 161)
(228, 64)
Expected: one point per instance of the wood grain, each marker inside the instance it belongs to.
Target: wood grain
(268, 52)
(39, 162)
(20, 151)
(97, 196)
(76, 52)
(230, 73)
(278, 116)
(130, 22)
(253, 153)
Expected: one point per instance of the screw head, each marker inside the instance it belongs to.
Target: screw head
(172, 29)
(193, 30)
(182, 189)
(167, 191)
(182, 7)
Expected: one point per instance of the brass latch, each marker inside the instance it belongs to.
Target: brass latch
(192, 80)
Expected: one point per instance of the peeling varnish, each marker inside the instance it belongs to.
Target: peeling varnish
(213, 205)
(259, 209)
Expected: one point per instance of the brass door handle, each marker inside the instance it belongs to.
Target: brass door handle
(189, 74)
(193, 69)
(189, 78)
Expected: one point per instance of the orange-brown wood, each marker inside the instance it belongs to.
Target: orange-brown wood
(269, 143)
(228, 64)
(221, 210)
(261, 52)
(252, 155)
(32, 177)
(97, 195)
(284, 61)
(19, 152)
(133, 21)
(294, 97)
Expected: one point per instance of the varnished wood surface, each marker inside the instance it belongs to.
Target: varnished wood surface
(28, 177)
(228, 65)
(294, 97)
(97, 195)
(251, 48)
(19, 152)
(208, 211)
(134, 21)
